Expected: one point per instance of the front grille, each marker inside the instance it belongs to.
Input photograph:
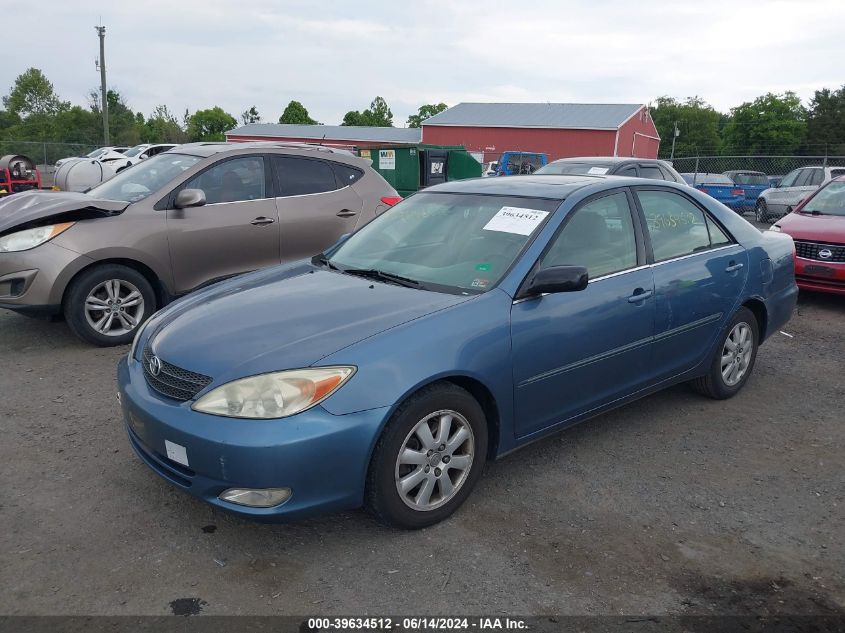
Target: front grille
(810, 250)
(172, 381)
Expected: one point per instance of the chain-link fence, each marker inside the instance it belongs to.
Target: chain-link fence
(775, 167)
(45, 154)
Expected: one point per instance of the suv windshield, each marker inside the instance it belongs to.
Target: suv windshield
(575, 169)
(828, 201)
(145, 178)
(456, 243)
(134, 151)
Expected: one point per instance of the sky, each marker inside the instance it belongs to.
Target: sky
(336, 56)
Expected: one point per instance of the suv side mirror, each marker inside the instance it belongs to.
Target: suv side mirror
(557, 279)
(189, 198)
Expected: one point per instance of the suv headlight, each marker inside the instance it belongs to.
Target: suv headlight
(276, 395)
(30, 238)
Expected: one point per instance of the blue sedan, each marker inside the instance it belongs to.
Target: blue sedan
(467, 321)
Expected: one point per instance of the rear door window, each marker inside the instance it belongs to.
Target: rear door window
(676, 226)
(303, 176)
(651, 171)
(816, 177)
(803, 178)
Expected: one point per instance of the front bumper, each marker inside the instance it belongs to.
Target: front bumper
(821, 276)
(34, 281)
(321, 457)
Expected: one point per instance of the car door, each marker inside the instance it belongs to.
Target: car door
(236, 231)
(315, 207)
(699, 273)
(574, 351)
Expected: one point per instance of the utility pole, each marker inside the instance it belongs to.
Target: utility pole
(104, 101)
(675, 134)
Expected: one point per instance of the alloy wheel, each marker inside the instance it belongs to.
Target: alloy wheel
(736, 353)
(434, 460)
(114, 307)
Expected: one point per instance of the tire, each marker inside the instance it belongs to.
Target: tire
(761, 211)
(716, 383)
(127, 304)
(427, 469)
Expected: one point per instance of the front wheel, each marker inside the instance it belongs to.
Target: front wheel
(105, 305)
(428, 458)
(761, 211)
(734, 358)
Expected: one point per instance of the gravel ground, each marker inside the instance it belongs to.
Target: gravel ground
(673, 505)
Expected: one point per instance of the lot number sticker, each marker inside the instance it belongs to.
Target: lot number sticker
(516, 220)
(597, 171)
(387, 159)
(176, 452)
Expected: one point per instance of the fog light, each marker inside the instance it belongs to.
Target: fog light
(260, 498)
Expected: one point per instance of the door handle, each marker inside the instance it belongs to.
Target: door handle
(346, 213)
(733, 267)
(640, 295)
(261, 221)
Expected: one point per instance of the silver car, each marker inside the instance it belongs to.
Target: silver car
(793, 188)
(107, 259)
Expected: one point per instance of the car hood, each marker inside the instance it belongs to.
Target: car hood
(820, 228)
(34, 208)
(287, 318)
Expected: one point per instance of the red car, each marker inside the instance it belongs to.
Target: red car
(817, 226)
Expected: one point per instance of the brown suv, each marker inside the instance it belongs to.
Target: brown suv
(108, 258)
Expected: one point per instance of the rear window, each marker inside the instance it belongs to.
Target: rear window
(574, 168)
(751, 179)
(712, 179)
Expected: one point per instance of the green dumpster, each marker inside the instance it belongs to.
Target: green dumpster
(409, 169)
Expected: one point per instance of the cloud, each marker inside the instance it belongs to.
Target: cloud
(337, 56)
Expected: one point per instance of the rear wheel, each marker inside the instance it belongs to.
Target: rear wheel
(761, 211)
(106, 304)
(428, 458)
(734, 358)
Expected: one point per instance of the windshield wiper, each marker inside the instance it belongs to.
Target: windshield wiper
(321, 260)
(372, 273)
(813, 212)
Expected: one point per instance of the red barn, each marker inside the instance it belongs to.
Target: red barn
(340, 136)
(557, 129)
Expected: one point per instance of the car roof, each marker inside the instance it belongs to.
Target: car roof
(210, 149)
(608, 159)
(550, 186)
(744, 171)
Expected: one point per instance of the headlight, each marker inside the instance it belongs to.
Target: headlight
(775, 228)
(275, 395)
(30, 238)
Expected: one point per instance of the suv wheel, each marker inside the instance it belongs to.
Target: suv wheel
(761, 211)
(106, 304)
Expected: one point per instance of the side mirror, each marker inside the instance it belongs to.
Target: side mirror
(557, 279)
(189, 198)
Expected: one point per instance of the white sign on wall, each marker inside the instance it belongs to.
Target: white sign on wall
(387, 159)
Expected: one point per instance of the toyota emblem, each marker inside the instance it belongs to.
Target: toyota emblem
(155, 366)
(825, 253)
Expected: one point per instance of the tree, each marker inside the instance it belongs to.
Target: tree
(162, 127)
(124, 126)
(826, 122)
(377, 115)
(697, 122)
(771, 124)
(425, 112)
(8, 119)
(296, 113)
(210, 125)
(250, 116)
(77, 125)
(32, 93)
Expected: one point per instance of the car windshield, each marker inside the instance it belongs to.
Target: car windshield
(455, 243)
(574, 169)
(145, 178)
(134, 151)
(751, 179)
(828, 201)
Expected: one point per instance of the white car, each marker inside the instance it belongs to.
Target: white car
(489, 169)
(776, 202)
(102, 154)
(136, 154)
